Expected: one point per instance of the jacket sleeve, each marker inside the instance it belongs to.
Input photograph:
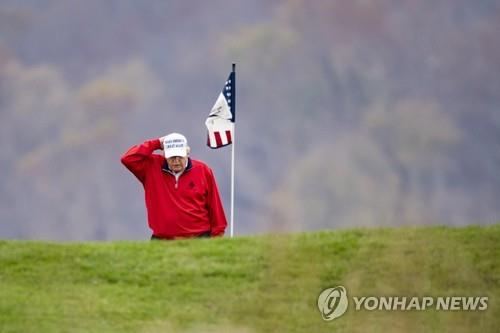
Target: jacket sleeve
(218, 221)
(137, 157)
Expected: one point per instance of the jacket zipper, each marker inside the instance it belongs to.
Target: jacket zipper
(176, 186)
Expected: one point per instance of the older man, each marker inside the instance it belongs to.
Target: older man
(181, 194)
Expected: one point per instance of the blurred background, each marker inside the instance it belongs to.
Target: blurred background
(350, 112)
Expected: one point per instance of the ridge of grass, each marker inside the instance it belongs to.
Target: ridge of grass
(249, 284)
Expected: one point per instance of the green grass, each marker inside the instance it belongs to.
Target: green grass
(249, 284)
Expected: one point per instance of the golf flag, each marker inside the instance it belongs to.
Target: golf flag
(220, 121)
(220, 126)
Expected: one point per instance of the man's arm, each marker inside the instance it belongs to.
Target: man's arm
(218, 221)
(137, 157)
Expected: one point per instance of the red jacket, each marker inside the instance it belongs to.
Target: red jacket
(189, 207)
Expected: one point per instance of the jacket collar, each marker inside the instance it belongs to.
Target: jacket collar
(167, 169)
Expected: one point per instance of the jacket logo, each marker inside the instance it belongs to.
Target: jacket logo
(191, 185)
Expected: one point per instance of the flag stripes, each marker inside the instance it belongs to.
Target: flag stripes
(219, 139)
(220, 121)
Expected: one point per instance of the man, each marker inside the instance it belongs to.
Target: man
(181, 194)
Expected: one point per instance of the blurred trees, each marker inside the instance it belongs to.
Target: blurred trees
(391, 170)
(349, 112)
(59, 146)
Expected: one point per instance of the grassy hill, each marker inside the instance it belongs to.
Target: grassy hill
(249, 284)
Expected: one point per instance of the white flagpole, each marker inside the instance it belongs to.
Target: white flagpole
(233, 93)
(232, 184)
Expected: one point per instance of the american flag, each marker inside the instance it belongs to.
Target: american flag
(220, 121)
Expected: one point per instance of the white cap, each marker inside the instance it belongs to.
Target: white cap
(175, 144)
